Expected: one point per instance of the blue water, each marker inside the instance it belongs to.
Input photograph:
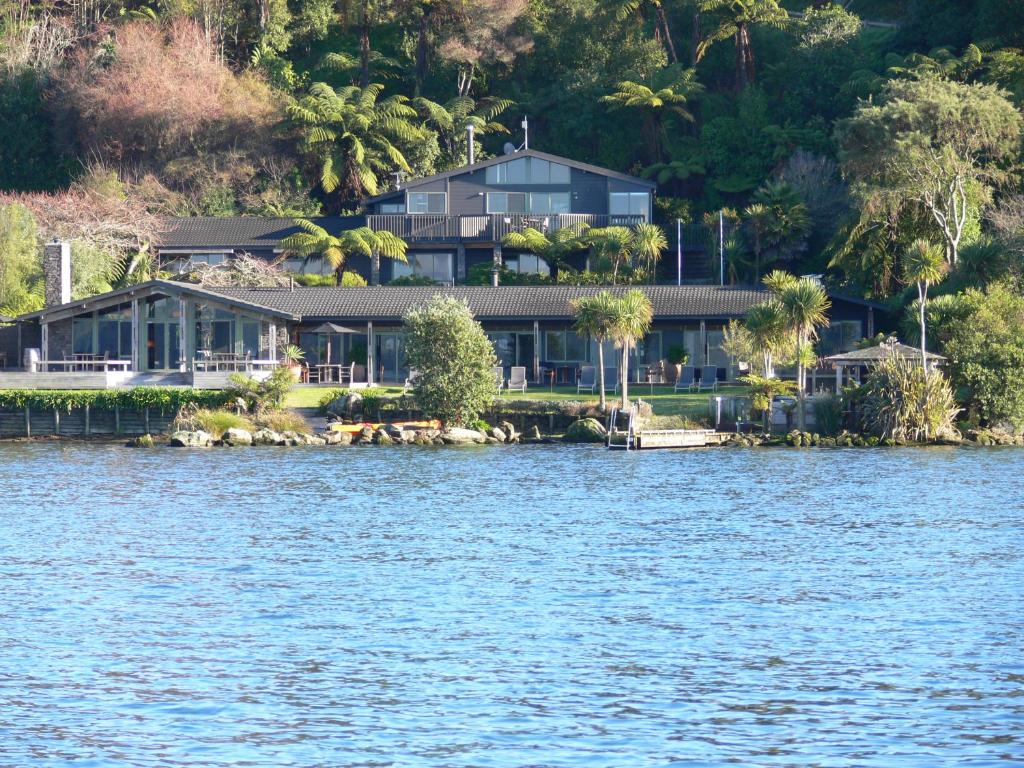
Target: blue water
(529, 606)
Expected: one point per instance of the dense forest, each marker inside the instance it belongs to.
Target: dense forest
(830, 136)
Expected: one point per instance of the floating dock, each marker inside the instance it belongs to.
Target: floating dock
(647, 439)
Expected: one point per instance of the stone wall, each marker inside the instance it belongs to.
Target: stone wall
(57, 273)
(60, 341)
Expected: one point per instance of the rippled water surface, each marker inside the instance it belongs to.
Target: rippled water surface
(530, 606)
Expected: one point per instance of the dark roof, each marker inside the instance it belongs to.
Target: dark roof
(155, 286)
(411, 183)
(488, 303)
(243, 232)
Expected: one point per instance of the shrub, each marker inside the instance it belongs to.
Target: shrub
(413, 280)
(284, 421)
(260, 396)
(215, 422)
(901, 403)
(828, 414)
(454, 358)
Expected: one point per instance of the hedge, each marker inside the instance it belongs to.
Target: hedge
(162, 399)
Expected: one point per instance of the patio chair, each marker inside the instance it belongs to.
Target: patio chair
(310, 374)
(517, 379)
(588, 379)
(410, 380)
(708, 378)
(499, 376)
(686, 379)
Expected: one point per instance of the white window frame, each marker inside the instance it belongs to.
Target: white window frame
(630, 197)
(412, 266)
(497, 174)
(409, 208)
(526, 203)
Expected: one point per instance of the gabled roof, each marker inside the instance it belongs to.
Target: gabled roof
(551, 302)
(887, 349)
(412, 183)
(147, 289)
(243, 232)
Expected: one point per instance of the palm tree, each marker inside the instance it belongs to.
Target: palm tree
(613, 246)
(316, 243)
(666, 93)
(554, 248)
(766, 324)
(632, 321)
(924, 263)
(595, 318)
(804, 304)
(449, 121)
(778, 280)
(758, 218)
(648, 243)
(355, 136)
(734, 19)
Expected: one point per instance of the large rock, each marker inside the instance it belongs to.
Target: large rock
(334, 437)
(498, 434)
(509, 429)
(267, 437)
(365, 435)
(460, 436)
(236, 436)
(197, 439)
(533, 433)
(586, 431)
(142, 441)
(381, 437)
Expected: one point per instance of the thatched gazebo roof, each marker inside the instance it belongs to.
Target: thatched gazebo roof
(891, 347)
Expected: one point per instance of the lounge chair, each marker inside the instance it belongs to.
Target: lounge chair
(588, 379)
(517, 379)
(685, 380)
(708, 378)
(499, 376)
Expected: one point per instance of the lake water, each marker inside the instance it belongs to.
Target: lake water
(528, 606)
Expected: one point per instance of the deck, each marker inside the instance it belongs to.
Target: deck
(668, 438)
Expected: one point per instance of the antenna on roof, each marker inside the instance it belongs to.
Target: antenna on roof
(526, 132)
(398, 179)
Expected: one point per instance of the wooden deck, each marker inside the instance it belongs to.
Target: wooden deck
(64, 379)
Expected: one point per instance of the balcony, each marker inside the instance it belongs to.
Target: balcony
(486, 228)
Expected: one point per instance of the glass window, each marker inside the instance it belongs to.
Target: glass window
(840, 336)
(437, 266)
(527, 170)
(629, 204)
(392, 207)
(507, 202)
(428, 202)
(549, 202)
(648, 349)
(251, 338)
(222, 338)
(527, 264)
(559, 173)
(565, 345)
(81, 335)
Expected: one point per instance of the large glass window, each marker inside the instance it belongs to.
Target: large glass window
(549, 202)
(251, 338)
(392, 207)
(528, 170)
(648, 349)
(507, 202)
(527, 264)
(436, 266)
(565, 345)
(428, 202)
(629, 203)
(81, 335)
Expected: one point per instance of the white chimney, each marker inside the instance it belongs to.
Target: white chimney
(470, 129)
(57, 273)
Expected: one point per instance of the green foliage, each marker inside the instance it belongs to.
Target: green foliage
(982, 334)
(283, 421)
(213, 421)
(677, 355)
(261, 396)
(28, 158)
(20, 263)
(763, 390)
(162, 399)
(828, 414)
(898, 402)
(314, 243)
(292, 353)
(454, 359)
(413, 280)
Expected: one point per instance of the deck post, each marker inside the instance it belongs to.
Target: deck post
(44, 343)
(496, 267)
(182, 337)
(145, 419)
(370, 361)
(375, 268)
(117, 420)
(871, 322)
(135, 336)
(536, 350)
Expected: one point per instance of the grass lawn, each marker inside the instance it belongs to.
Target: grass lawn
(664, 400)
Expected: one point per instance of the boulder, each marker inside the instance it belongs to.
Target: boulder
(461, 436)
(236, 436)
(509, 429)
(293, 438)
(381, 437)
(315, 440)
(365, 435)
(498, 434)
(197, 439)
(142, 441)
(337, 438)
(586, 431)
(267, 437)
(533, 433)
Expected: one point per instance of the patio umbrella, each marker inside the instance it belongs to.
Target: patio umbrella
(328, 329)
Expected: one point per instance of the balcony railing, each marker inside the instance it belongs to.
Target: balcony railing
(492, 227)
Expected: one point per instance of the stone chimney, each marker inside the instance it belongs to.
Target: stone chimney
(57, 272)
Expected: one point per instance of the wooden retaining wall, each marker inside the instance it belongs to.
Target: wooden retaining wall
(82, 422)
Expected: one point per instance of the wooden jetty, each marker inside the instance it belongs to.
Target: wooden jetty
(646, 439)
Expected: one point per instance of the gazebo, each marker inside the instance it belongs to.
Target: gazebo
(863, 358)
